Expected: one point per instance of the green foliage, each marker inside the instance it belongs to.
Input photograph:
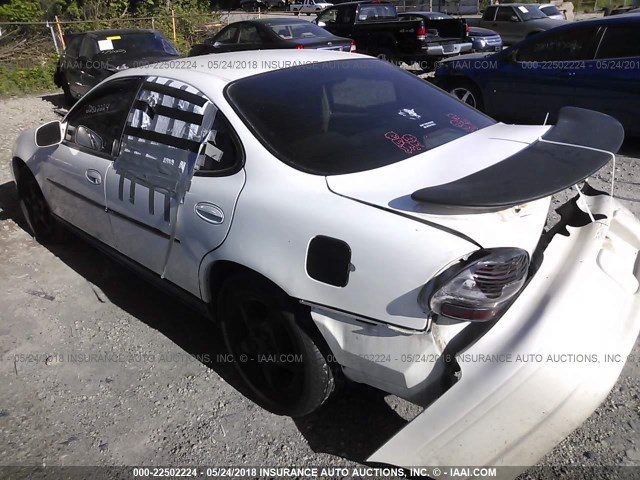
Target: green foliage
(24, 80)
(20, 11)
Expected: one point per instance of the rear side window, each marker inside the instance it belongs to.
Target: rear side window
(73, 47)
(489, 13)
(572, 44)
(505, 14)
(349, 115)
(620, 42)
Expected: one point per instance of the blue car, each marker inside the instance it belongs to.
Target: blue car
(593, 64)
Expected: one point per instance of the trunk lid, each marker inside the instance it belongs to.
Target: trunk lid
(391, 188)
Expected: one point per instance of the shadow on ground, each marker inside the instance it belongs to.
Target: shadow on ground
(351, 425)
(56, 99)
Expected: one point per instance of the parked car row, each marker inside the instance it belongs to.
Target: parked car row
(515, 21)
(593, 64)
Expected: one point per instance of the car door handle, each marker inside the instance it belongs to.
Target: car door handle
(209, 212)
(93, 176)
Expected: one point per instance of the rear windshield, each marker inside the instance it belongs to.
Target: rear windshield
(296, 31)
(136, 45)
(376, 12)
(349, 116)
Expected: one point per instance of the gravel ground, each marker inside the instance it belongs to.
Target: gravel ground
(97, 367)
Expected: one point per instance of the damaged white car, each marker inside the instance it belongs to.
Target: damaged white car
(339, 216)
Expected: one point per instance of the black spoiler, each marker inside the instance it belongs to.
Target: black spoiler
(541, 169)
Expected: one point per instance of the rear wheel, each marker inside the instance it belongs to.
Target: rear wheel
(468, 93)
(43, 225)
(276, 357)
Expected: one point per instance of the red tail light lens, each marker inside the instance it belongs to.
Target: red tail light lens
(466, 28)
(352, 48)
(299, 47)
(422, 32)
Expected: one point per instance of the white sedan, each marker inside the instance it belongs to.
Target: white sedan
(341, 217)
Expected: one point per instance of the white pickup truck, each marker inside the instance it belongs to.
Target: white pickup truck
(309, 7)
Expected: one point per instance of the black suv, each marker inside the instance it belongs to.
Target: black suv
(90, 57)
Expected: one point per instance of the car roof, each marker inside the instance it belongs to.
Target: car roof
(603, 21)
(275, 21)
(119, 31)
(244, 64)
(372, 2)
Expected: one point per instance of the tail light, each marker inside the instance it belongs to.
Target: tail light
(352, 48)
(480, 289)
(466, 29)
(299, 47)
(421, 34)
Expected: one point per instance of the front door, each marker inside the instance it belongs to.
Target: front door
(75, 173)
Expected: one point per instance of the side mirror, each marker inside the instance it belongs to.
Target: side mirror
(321, 23)
(49, 134)
(514, 18)
(217, 44)
(85, 137)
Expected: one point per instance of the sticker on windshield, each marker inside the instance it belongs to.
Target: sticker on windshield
(409, 113)
(523, 9)
(407, 142)
(429, 124)
(114, 37)
(105, 45)
(461, 123)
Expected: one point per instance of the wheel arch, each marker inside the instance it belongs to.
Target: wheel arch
(17, 165)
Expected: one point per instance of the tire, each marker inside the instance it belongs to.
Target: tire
(262, 328)
(467, 93)
(43, 225)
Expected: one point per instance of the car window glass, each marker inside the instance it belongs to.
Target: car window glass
(620, 42)
(128, 46)
(89, 48)
(73, 47)
(550, 10)
(328, 15)
(504, 14)
(349, 115)
(489, 13)
(346, 15)
(221, 153)
(566, 45)
(228, 35)
(249, 34)
(97, 121)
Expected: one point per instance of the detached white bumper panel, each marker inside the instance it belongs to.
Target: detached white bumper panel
(580, 309)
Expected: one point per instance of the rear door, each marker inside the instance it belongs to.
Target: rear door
(539, 78)
(173, 188)
(76, 170)
(610, 83)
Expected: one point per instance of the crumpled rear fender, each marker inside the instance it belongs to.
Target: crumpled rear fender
(560, 343)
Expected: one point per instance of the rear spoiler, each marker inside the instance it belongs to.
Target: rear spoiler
(580, 144)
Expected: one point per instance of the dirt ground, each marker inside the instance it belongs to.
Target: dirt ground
(98, 368)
